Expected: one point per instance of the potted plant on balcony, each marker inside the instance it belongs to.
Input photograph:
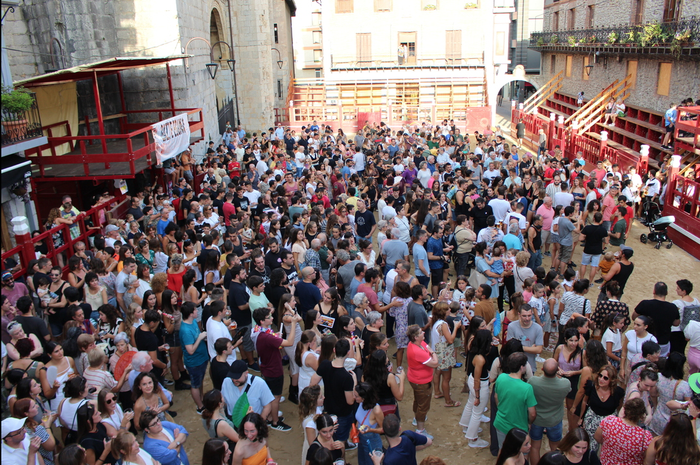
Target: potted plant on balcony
(651, 35)
(680, 40)
(613, 37)
(572, 41)
(15, 102)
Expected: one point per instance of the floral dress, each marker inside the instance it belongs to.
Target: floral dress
(401, 315)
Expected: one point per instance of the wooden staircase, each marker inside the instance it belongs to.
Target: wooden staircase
(539, 98)
(592, 113)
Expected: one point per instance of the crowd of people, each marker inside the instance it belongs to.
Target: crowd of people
(311, 251)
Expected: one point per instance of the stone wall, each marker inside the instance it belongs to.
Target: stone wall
(91, 31)
(684, 79)
(609, 12)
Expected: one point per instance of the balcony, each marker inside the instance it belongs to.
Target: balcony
(392, 62)
(676, 39)
(21, 130)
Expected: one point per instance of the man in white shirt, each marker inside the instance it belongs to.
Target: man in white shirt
(359, 159)
(299, 159)
(563, 198)
(279, 132)
(216, 328)
(443, 157)
(251, 194)
(17, 447)
(500, 205)
(491, 173)
(517, 214)
(129, 267)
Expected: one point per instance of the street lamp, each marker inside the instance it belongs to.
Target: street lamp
(279, 56)
(212, 67)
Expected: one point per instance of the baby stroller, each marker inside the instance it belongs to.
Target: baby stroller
(651, 211)
(657, 232)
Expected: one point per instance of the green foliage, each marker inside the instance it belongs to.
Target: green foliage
(652, 34)
(554, 39)
(540, 42)
(17, 100)
(572, 41)
(430, 7)
(592, 40)
(471, 6)
(613, 37)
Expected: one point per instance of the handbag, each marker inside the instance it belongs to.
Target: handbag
(354, 434)
(476, 278)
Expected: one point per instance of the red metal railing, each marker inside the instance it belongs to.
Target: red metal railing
(130, 156)
(683, 201)
(23, 252)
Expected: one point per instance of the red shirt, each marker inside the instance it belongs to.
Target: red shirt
(234, 168)
(369, 292)
(268, 347)
(418, 371)
(175, 280)
(229, 209)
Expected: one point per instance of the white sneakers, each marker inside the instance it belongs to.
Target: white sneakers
(478, 444)
(485, 419)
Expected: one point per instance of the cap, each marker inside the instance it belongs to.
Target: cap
(10, 425)
(6, 275)
(111, 228)
(628, 251)
(237, 369)
(693, 380)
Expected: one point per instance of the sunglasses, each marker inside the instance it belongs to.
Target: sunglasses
(109, 401)
(606, 378)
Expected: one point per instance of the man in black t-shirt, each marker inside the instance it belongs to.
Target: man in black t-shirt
(594, 235)
(339, 386)
(273, 258)
(240, 311)
(30, 323)
(260, 269)
(288, 266)
(478, 215)
(663, 314)
(364, 219)
(219, 367)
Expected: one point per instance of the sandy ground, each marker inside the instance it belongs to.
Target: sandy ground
(651, 265)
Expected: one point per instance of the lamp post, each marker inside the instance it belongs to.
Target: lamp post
(279, 58)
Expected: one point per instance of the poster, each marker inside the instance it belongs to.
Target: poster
(172, 137)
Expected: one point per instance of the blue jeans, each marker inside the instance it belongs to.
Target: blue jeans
(344, 425)
(299, 172)
(554, 433)
(424, 281)
(535, 260)
(368, 442)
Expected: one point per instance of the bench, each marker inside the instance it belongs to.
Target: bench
(617, 146)
(552, 110)
(563, 103)
(644, 140)
(646, 124)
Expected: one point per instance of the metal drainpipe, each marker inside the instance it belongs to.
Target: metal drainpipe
(235, 84)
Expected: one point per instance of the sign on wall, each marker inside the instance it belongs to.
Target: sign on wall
(172, 137)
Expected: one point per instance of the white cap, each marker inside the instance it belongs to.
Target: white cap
(10, 425)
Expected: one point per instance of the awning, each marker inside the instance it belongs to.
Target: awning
(102, 68)
(15, 169)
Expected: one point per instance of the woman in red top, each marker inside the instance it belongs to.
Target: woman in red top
(421, 361)
(175, 273)
(622, 441)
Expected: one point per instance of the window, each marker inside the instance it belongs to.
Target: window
(500, 43)
(382, 5)
(637, 11)
(318, 74)
(664, 82)
(553, 64)
(279, 88)
(316, 37)
(453, 45)
(586, 62)
(344, 6)
(555, 21)
(317, 56)
(407, 48)
(569, 64)
(672, 9)
(590, 11)
(571, 19)
(364, 47)
(316, 18)
(277, 34)
(632, 72)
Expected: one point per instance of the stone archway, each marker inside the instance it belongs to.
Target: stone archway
(503, 80)
(220, 53)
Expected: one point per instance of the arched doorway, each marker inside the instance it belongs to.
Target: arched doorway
(506, 89)
(220, 53)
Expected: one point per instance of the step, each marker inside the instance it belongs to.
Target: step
(561, 102)
(631, 135)
(552, 110)
(646, 124)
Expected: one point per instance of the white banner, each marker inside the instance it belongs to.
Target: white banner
(172, 137)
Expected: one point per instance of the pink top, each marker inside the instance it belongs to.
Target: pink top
(608, 207)
(547, 216)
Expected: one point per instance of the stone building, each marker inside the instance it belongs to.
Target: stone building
(597, 42)
(43, 35)
(401, 61)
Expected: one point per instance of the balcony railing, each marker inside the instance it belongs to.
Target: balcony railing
(679, 38)
(20, 127)
(385, 62)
